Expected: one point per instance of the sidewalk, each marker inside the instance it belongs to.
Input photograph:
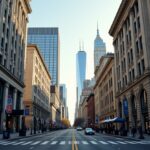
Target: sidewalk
(16, 135)
(130, 137)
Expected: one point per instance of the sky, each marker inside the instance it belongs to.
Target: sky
(77, 21)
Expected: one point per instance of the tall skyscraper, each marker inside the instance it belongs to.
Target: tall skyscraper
(80, 71)
(47, 39)
(63, 98)
(63, 94)
(99, 49)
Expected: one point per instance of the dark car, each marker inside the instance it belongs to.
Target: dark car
(89, 131)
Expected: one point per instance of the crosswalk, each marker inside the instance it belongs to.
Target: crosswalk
(94, 142)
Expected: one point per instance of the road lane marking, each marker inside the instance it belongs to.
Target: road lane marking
(62, 143)
(93, 142)
(103, 142)
(76, 142)
(44, 143)
(121, 142)
(54, 142)
(85, 142)
(35, 143)
(27, 143)
(112, 142)
(18, 143)
(11, 143)
(133, 142)
(3, 143)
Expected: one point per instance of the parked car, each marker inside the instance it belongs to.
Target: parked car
(89, 131)
(79, 128)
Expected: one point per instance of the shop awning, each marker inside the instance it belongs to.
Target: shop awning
(116, 120)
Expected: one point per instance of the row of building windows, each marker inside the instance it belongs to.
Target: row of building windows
(11, 44)
(140, 71)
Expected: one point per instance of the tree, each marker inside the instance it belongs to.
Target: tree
(65, 123)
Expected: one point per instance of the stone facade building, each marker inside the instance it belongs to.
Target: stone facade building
(104, 90)
(91, 110)
(84, 112)
(37, 89)
(131, 34)
(13, 26)
(55, 105)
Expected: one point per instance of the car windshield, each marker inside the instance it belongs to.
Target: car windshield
(89, 129)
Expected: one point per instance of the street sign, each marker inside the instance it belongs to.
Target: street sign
(9, 109)
(9, 105)
(26, 112)
(18, 112)
(125, 106)
(9, 101)
(96, 119)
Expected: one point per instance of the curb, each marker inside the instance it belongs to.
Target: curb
(24, 137)
(123, 137)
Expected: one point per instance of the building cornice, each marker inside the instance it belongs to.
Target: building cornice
(28, 6)
(11, 76)
(38, 51)
(133, 84)
(118, 16)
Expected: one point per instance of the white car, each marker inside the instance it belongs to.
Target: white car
(79, 128)
(89, 131)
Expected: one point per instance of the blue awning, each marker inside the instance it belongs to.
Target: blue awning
(116, 120)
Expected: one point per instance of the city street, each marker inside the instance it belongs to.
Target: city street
(71, 139)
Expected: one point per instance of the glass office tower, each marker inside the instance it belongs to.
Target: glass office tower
(63, 93)
(47, 39)
(99, 49)
(80, 72)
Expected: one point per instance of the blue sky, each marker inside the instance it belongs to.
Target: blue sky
(77, 21)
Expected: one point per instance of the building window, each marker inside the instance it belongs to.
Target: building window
(128, 58)
(2, 42)
(130, 77)
(3, 27)
(130, 36)
(5, 62)
(137, 47)
(131, 54)
(141, 44)
(138, 23)
(125, 80)
(139, 68)
(124, 64)
(1, 59)
(136, 7)
(135, 29)
(133, 74)
(143, 66)
(127, 40)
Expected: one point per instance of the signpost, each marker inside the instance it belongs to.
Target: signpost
(26, 112)
(9, 106)
(125, 106)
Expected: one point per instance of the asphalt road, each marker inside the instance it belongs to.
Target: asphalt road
(71, 139)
